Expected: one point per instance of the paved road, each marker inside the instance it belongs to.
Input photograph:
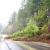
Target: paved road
(39, 46)
(11, 45)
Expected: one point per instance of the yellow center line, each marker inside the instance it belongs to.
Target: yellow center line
(26, 46)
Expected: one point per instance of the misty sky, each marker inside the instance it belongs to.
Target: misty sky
(7, 7)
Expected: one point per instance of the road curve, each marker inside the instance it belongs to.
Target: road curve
(19, 45)
(7, 45)
(38, 45)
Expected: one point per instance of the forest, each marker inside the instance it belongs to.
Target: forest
(32, 22)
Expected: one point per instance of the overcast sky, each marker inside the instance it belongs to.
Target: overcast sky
(7, 7)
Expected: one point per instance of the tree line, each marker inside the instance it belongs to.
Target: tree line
(32, 19)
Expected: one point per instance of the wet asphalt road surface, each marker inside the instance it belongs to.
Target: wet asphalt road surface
(9, 45)
(38, 47)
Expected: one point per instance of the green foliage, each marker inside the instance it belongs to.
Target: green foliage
(27, 11)
(41, 18)
(44, 29)
(37, 22)
(30, 30)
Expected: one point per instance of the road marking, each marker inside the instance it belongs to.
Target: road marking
(42, 44)
(26, 46)
(8, 46)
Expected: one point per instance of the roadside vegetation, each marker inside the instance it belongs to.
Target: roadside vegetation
(32, 21)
